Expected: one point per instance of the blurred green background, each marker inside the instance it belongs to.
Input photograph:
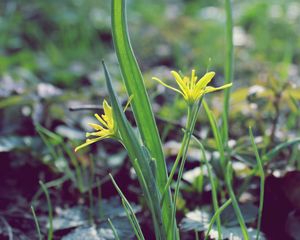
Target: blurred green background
(50, 53)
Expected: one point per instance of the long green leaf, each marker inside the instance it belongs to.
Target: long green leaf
(135, 87)
(139, 159)
(140, 104)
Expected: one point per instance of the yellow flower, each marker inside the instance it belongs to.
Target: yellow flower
(191, 88)
(107, 129)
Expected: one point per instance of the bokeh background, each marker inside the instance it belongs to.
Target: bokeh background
(50, 53)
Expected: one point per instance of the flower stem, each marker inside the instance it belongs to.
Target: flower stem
(213, 188)
(228, 177)
(262, 182)
(228, 67)
(184, 143)
(191, 120)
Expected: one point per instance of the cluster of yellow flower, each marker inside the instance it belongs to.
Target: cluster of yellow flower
(191, 89)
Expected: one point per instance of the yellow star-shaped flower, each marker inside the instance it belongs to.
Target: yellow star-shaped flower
(107, 129)
(191, 88)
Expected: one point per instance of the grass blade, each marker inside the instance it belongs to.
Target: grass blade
(36, 223)
(238, 213)
(50, 230)
(216, 216)
(141, 107)
(129, 211)
(228, 68)
(262, 182)
(216, 133)
(213, 187)
(135, 86)
(274, 151)
(113, 229)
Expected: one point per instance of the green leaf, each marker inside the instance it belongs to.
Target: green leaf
(140, 104)
(272, 153)
(234, 233)
(195, 220)
(129, 211)
(216, 133)
(139, 159)
(249, 212)
(135, 87)
(103, 231)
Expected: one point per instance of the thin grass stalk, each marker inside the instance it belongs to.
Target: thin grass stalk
(217, 134)
(36, 223)
(50, 211)
(75, 162)
(47, 142)
(129, 211)
(262, 182)
(213, 187)
(216, 216)
(182, 150)
(113, 229)
(54, 183)
(191, 121)
(239, 215)
(160, 234)
(134, 223)
(228, 68)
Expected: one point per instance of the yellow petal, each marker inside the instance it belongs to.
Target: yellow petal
(184, 88)
(100, 120)
(166, 85)
(212, 89)
(95, 126)
(202, 83)
(88, 142)
(107, 109)
(193, 79)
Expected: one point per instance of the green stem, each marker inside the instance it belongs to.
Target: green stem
(216, 216)
(182, 149)
(113, 229)
(191, 121)
(50, 231)
(228, 176)
(36, 223)
(228, 67)
(129, 211)
(213, 188)
(152, 203)
(262, 182)
(217, 134)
